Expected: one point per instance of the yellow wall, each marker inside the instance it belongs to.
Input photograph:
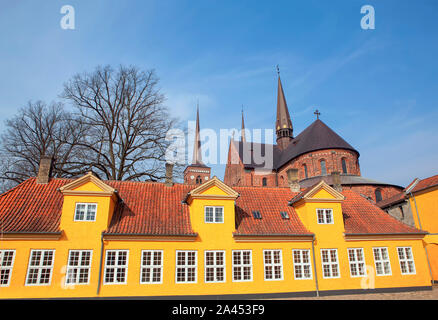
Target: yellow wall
(86, 235)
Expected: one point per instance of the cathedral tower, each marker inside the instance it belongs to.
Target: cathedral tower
(283, 125)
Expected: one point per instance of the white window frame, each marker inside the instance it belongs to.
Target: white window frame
(302, 264)
(152, 266)
(40, 267)
(273, 264)
(330, 263)
(186, 266)
(116, 266)
(382, 261)
(356, 262)
(214, 214)
(325, 216)
(9, 267)
(86, 204)
(215, 266)
(241, 266)
(406, 260)
(79, 267)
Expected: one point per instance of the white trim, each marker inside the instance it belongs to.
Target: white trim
(86, 204)
(116, 267)
(382, 261)
(215, 266)
(79, 267)
(302, 264)
(152, 266)
(214, 214)
(273, 264)
(407, 260)
(357, 262)
(330, 263)
(325, 216)
(242, 265)
(10, 268)
(39, 267)
(186, 266)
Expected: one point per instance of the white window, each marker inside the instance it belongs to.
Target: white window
(116, 267)
(85, 211)
(302, 266)
(273, 265)
(40, 267)
(152, 266)
(325, 216)
(381, 261)
(186, 266)
(78, 268)
(242, 265)
(6, 265)
(330, 264)
(357, 262)
(407, 265)
(214, 214)
(214, 266)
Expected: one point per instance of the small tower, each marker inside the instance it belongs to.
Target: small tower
(283, 125)
(197, 172)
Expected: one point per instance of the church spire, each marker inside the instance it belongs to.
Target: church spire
(243, 128)
(197, 156)
(283, 125)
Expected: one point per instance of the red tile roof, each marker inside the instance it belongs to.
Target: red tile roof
(397, 198)
(361, 216)
(155, 209)
(32, 207)
(270, 202)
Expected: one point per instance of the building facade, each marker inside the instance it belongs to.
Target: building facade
(90, 238)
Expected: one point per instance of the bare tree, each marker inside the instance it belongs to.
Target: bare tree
(37, 130)
(126, 122)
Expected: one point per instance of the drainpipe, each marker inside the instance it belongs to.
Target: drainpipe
(314, 266)
(100, 264)
(425, 247)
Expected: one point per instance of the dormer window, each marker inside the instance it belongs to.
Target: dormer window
(256, 215)
(214, 214)
(284, 215)
(325, 216)
(85, 212)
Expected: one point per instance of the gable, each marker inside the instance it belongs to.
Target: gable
(212, 189)
(87, 185)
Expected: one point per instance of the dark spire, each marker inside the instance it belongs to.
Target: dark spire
(197, 157)
(243, 128)
(283, 125)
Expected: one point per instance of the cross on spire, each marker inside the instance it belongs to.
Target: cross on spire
(317, 113)
(278, 69)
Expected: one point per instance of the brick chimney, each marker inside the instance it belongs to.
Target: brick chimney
(45, 169)
(293, 181)
(169, 174)
(336, 180)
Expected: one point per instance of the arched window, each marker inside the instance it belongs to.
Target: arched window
(306, 174)
(344, 165)
(323, 168)
(198, 180)
(264, 182)
(378, 194)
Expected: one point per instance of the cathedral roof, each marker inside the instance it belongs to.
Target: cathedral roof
(317, 136)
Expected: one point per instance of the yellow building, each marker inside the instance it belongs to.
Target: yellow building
(66, 238)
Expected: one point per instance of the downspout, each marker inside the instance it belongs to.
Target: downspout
(100, 264)
(425, 247)
(314, 266)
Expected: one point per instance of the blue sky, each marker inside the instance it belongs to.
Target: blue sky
(376, 88)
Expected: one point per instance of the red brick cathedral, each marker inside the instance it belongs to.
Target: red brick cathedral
(317, 153)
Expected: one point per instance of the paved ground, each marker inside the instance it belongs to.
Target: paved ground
(415, 295)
